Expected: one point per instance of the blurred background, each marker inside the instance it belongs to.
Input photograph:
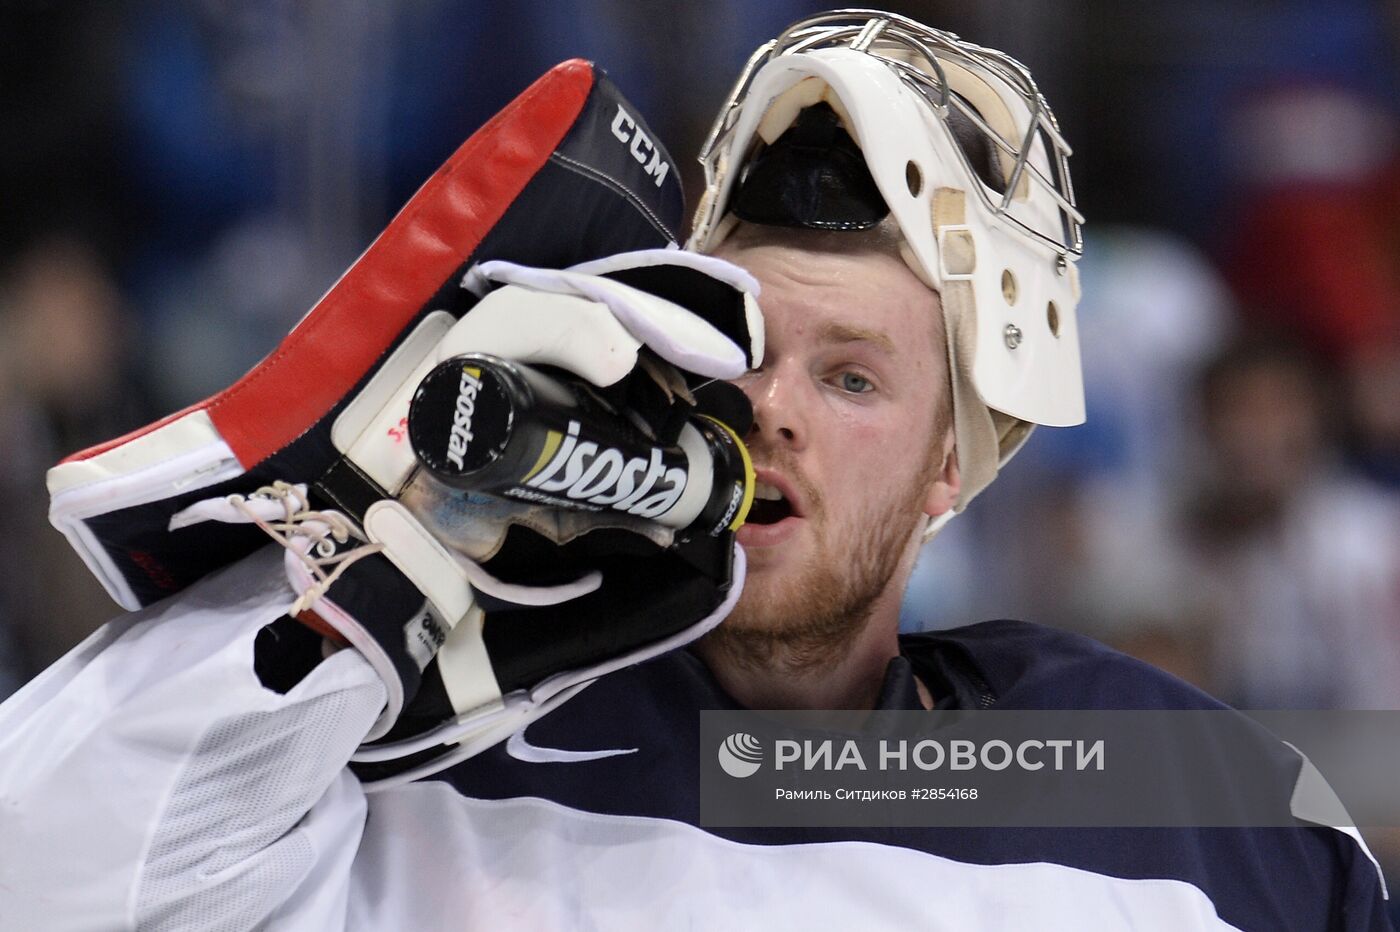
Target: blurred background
(181, 180)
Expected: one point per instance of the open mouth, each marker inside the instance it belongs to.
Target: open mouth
(770, 505)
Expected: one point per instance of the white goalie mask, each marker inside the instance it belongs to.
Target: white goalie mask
(971, 166)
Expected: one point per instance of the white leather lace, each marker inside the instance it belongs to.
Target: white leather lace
(316, 537)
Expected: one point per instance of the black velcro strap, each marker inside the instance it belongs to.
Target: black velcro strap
(349, 488)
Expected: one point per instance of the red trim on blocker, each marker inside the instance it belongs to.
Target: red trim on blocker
(352, 326)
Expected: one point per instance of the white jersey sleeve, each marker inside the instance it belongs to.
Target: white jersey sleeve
(150, 780)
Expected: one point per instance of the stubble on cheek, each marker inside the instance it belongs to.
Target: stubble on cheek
(805, 615)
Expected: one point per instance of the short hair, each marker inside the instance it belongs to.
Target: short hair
(884, 238)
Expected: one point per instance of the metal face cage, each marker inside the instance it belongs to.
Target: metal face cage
(916, 53)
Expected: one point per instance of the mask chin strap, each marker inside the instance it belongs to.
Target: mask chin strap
(985, 438)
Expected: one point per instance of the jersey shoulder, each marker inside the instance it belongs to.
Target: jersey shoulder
(1031, 666)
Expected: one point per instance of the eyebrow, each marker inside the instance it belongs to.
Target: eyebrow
(847, 333)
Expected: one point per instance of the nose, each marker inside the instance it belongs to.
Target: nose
(779, 417)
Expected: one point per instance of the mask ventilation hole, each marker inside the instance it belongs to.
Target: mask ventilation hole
(913, 178)
(1008, 286)
(1052, 317)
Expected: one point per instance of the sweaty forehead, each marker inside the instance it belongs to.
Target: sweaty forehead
(840, 295)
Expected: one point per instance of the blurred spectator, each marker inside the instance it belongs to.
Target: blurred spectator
(1372, 384)
(1293, 560)
(65, 383)
(1316, 251)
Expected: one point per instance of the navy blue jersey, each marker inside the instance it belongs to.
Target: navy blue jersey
(151, 779)
(1265, 878)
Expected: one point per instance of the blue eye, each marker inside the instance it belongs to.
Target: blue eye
(855, 384)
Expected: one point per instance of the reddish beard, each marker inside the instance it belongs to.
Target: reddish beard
(807, 617)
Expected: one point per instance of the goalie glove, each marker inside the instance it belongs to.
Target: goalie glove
(544, 183)
(512, 608)
(551, 153)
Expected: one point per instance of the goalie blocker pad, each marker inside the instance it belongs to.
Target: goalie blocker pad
(567, 172)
